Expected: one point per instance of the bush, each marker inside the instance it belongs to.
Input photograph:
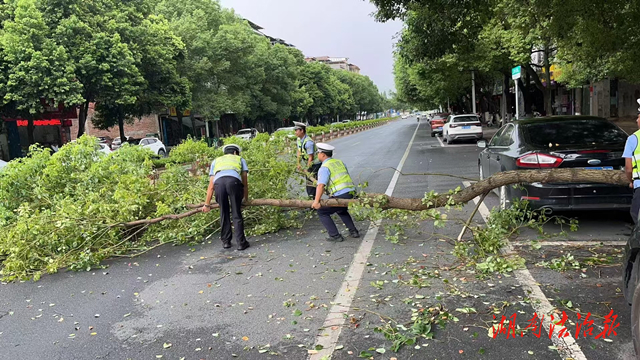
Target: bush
(63, 210)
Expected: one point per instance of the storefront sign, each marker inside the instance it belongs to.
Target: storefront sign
(173, 112)
(52, 122)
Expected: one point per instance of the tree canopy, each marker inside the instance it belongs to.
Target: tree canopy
(587, 40)
(133, 58)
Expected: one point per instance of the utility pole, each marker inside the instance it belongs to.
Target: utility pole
(473, 91)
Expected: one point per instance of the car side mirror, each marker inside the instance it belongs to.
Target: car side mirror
(482, 143)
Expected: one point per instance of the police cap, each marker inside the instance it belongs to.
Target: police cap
(299, 125)
(325, 148)
(232, 147)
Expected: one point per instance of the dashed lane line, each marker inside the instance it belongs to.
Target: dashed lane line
(567, 346)
(332, 327)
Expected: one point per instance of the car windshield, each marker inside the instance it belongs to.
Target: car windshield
(573, 133)
(461, 119)
(245, 131)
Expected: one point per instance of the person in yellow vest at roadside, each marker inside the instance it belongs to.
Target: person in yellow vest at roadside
(228, 179)
(334, 177)
(632, 168)
(307, 156)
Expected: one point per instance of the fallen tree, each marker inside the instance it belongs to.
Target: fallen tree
(614, 177)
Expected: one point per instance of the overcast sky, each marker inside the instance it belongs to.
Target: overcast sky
(337, 28)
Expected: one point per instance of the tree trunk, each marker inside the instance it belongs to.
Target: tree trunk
(30, 130)
(614, 177)
(123, 138)
(548, 108)
(82, 118)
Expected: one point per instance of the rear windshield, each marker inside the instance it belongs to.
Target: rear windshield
(573, 133)
(460, 119)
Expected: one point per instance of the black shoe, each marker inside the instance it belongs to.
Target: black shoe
(244, 246)
(226, 245)
(337, 238)
(354, 233)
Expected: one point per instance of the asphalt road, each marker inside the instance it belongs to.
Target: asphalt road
(199, 302)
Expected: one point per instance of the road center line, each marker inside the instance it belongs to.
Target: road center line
(567, 346)
(332, 327)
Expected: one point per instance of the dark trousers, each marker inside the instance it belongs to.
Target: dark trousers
(635, 205)
(324, 213)
(228, 189)
(313, 170)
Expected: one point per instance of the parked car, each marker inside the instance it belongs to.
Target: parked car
(105, 140)
(462, 127)
(585, 142)
(116, 143)
(442, 116)
(104, 148)
(437, 125)
(155, 145)
(290, 131)
(247, 134)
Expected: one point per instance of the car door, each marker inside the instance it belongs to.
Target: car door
(489, 154)
(501, 147)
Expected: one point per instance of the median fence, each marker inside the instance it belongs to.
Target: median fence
(324, 133)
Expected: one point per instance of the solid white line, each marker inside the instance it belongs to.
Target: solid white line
(567, 346)
(440, 140)
(571, 243)
(332, 326)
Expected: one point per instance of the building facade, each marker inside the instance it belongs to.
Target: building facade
(336, 63)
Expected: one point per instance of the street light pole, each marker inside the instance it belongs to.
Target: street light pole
(473, 91)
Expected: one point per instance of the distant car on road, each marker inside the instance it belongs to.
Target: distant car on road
(247, 134)
(462, 127)
(584, 142)
(404, 116)
(346, 121)
(155, 145)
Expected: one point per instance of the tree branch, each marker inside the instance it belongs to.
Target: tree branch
(613, 177)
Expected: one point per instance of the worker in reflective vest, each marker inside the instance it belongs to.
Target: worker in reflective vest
(632, 168)
(307, 156)
(334, 177)
(228, 179)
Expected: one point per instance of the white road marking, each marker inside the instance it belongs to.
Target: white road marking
(571, 243)
(567, 346)
(440, 140)
(332, 327)
(356, 143)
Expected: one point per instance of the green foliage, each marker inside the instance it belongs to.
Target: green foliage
(63, 210)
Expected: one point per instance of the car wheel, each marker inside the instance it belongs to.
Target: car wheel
(433, 134)
(162, 153)
(503, 197)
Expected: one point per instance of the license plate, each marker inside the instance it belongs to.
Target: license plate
(599, 168)
(440, 128)
(466, 127)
